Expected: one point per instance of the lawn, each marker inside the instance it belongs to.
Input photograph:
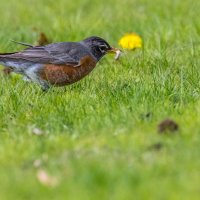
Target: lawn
(98, 138)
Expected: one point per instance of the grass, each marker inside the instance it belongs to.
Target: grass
(100, 133)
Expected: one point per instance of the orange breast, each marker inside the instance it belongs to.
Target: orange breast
(60, 75)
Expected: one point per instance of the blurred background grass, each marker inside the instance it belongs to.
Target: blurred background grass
(100, 133)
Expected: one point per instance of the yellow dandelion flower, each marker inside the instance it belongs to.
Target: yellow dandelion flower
(130, 41)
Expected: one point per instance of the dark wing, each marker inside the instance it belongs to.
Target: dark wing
(57, 53)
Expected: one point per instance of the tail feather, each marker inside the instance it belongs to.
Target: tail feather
(3, 56)
(7, 61)
(18, 65)
(6, 54)
(3, 59)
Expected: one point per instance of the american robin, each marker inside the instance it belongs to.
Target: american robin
(58, 64)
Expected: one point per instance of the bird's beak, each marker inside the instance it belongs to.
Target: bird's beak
(116, 51)
(113, 50)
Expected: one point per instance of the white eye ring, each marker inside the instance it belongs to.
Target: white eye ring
(103, 45)
(102, 48)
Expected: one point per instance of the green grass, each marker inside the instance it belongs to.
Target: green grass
(97, 137)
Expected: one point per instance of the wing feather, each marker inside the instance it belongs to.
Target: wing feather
(57, 53)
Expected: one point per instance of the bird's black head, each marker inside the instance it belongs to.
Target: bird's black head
(98, 46)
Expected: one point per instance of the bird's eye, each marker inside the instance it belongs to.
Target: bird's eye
(103, 48)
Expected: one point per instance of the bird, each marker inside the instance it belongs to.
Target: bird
(58, 64)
